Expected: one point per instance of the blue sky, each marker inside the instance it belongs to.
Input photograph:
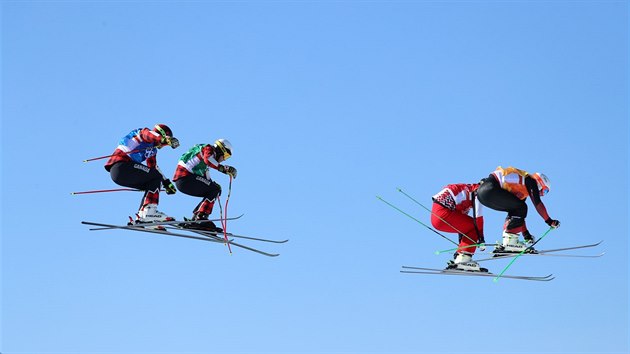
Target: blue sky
(327, 104)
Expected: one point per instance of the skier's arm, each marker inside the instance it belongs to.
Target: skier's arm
(534, 194)
(152, 162)
(150, 136)
(207, 155)
(154, 138)
(479, 219)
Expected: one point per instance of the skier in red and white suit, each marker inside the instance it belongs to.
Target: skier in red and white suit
(126, 168)
(450, 210)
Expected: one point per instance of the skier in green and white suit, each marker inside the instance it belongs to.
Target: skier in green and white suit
(192, 177)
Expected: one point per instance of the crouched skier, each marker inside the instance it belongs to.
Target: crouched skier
(126, 168)
(450, 214)
(506, 189)
(192, 177)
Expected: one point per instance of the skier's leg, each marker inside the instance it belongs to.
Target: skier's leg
(198, 186)
(494, 197)
(136, 175)
(491, 195)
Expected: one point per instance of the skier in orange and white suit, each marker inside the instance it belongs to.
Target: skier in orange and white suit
(506, 189)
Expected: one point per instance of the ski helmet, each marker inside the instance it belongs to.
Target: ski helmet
(167, 135)
(223, 147)
(164, 130)
(544, 184)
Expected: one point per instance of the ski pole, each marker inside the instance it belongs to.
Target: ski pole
(109, 190)
(496, 279)
(108, 156)
(432, 213)
(418, 221)
(458, 248)
(224, 219)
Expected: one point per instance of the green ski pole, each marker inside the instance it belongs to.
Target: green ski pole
(496, 279)
(446, 222)
(418, 221)
(459, 248)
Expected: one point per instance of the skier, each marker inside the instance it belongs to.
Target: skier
(126, 168)
(450, 214)
(506, 190)
(192, 177)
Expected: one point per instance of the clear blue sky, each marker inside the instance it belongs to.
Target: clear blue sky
(328, 104)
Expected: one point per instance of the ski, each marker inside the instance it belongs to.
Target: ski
(160, 232)
(229, 234)
(546, 253)
(209, 238)
(222, 240)
(510, 255)
(418, 270)
(163, 223)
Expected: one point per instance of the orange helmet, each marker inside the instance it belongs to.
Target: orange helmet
(544, 184)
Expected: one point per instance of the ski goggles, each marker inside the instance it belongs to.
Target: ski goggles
(224, 151)
(544, 190)
(169, 140)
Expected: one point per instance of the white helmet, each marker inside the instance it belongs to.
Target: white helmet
(223, 147)
(544, 184)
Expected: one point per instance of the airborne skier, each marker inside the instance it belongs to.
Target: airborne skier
(126, 168)
(192, 177)
(450, 214)
(506, 189)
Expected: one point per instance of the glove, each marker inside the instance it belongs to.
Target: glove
(228, 170)
(553, 223)
(169, 186)
(174, 143)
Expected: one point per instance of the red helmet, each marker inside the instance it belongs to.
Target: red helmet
(163, 130)
(167, 135)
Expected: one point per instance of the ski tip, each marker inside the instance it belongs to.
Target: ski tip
(495, 280)
(399, 189)
(437, 253)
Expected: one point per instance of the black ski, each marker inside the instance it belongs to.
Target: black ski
(229, 234)
(135, 228)
(221, 239)
(211, 238)
(163, 223)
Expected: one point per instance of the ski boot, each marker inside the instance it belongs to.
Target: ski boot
(529, 238)
(463, 261)
(206, 225)
(149, 214)
(511, 244)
